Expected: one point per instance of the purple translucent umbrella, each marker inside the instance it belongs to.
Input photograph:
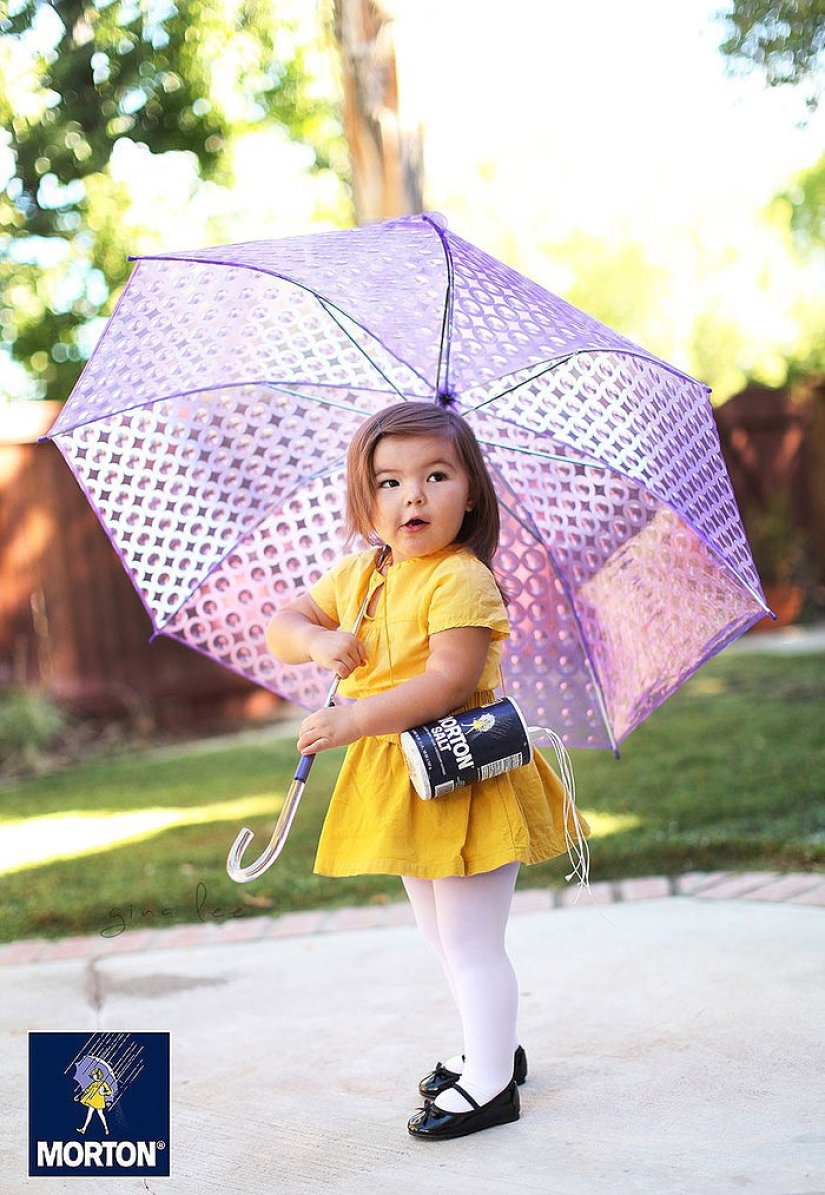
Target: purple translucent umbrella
(210, 426)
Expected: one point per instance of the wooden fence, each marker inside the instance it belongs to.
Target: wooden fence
(773, 441)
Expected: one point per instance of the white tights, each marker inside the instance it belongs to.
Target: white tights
(464, 918)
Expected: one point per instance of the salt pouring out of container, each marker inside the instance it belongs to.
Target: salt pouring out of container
(480, 743)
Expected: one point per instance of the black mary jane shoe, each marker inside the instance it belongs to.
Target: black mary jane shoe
(441, 1078)
(432, 1123)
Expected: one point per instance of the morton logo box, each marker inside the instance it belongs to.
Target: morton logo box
(99, 1104)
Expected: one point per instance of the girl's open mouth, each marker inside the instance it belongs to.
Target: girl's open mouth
(414, 523)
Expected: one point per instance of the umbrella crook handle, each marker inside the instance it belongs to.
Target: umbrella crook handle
(242, 875)
(234, 867)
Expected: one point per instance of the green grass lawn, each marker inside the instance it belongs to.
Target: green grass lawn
(729, 773)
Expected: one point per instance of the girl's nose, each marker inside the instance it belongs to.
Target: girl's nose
(415, 493)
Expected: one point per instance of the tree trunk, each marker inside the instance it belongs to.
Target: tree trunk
(386, 157)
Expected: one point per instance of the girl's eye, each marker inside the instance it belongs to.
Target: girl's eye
(437, 476)
(388, 483)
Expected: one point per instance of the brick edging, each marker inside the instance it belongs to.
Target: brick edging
(796, 888)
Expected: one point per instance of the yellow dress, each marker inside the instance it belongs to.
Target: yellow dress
(376, 823)
(95, 1094)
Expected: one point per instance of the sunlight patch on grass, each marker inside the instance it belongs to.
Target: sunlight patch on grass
(708, 686)
(602, 825)
(34, 841)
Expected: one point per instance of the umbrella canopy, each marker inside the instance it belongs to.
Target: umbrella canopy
(210, 426)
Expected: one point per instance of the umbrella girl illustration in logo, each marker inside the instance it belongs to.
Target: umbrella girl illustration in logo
(483, 723)
(106, 1065)
(95, 1097)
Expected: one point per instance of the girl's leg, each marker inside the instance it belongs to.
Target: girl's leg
(471, 915)
(422, 898)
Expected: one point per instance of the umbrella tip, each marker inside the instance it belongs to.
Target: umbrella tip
(445, 398)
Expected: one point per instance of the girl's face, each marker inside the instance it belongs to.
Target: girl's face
(421, 494)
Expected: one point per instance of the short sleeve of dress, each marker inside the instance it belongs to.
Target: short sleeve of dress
(340, 591)
(464, 594)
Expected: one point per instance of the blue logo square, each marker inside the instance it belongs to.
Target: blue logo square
(99, 1104)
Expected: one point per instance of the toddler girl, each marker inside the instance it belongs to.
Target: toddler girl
(430, 644)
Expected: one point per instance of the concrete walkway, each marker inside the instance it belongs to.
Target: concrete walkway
(674, 1031)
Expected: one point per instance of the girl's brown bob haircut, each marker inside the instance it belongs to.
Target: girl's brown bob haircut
(481, 526)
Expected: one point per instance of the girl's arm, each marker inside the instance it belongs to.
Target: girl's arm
(454, 666)
(302, 632)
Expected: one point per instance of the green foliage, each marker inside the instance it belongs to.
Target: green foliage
(780, 549)
(729, 773)
(81, 78)
(619, 284)
(785, 39)
(29, 721)
(806, 200)
(800, 212)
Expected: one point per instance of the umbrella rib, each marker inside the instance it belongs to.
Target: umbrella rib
(443, 388)
(531, 528)
(170, 396)
(330, 309)
(321, 399)
(540, 454)
(548, 366)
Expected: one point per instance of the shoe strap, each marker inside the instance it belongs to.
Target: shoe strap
(467, 1097)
